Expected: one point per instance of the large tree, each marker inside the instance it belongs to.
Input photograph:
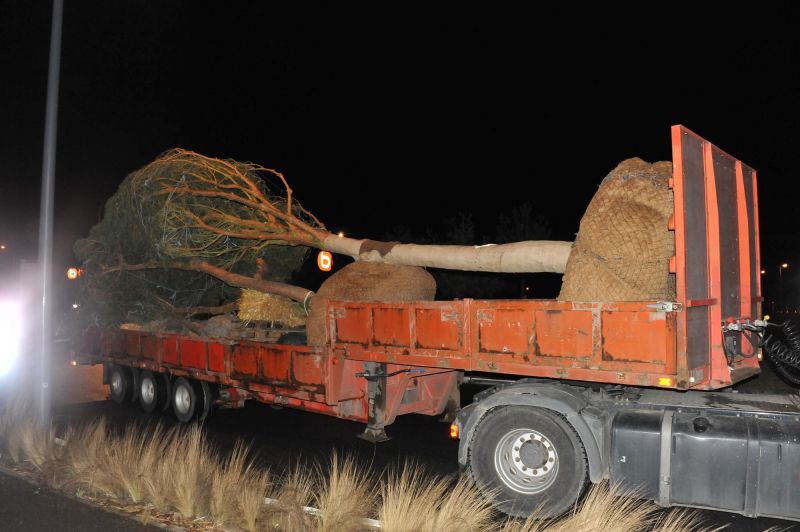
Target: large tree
(215, 219)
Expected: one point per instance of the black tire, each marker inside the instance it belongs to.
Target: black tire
(546, 473)
(206, 394)
(184, 400)
(119, 384)
(135, 374)
(167, 387)
(151, 391)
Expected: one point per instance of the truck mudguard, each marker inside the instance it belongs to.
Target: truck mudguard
(568, 401)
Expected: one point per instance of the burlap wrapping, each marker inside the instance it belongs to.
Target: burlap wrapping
(624, 245)
(368, 281)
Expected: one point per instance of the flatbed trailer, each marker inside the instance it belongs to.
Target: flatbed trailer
(577, 391)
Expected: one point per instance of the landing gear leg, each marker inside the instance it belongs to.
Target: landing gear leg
(376, 394)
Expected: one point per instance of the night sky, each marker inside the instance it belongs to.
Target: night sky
(402, 116)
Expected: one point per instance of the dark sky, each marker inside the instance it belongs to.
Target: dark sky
(395, 116)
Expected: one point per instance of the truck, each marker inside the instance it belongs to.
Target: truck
(574, 392)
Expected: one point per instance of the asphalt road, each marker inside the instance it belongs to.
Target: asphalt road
(281, 437)
(25, 507)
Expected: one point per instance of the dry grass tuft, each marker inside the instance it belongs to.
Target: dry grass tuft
(226, 478)
(251, 497)
(409, 499)
(464, 508)
(296, 491)
(603, 509)
(413, 500)
(132, 458)
(345, 498)
(184, 470)
(177, 469)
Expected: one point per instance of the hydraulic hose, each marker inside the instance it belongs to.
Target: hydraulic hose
(782, 346)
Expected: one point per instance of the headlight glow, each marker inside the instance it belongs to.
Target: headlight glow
(10, 334)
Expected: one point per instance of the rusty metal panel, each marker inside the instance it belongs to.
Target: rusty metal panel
(244, 362)
(150, 347)
(563, 333)
(440, 328)
(392, 326)
(170, 347)
(115, 343)
(505, 330)
(636, 337)
(275, 363)
(216, 357)
(193, 353)
(133, 344)
(352, 324)
(308, 369)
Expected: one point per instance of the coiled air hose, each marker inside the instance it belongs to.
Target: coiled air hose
(782, 345)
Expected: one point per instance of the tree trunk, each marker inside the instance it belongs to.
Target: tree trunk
(518, 257)
(296, 293)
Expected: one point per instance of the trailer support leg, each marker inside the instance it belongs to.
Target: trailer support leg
(375, 432)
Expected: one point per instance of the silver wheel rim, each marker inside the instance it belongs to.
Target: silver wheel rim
(148, 391)
(116, 383)
(183, 400)
(526, 461)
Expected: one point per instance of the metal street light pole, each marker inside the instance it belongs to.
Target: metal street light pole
(46, 212)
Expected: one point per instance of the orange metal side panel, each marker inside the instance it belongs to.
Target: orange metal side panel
(216, 357)
(170, 354)
(150, 347)
(244, 362)
(133, 344)
(116, 342)
(275, 364)
(307, 369)
(505, 331)
(392, 326)
(563, 333)
(353, 325)
(634, 341)
(439, 328)
(193, 353)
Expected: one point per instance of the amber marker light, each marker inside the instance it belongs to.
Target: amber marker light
(324, 261)
(665, 381)
(454, 431)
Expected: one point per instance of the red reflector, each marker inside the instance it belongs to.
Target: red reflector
(454, 431)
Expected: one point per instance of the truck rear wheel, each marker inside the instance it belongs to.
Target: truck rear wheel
(119, 384)
(184, 400)
(151, 391)
(529, 459)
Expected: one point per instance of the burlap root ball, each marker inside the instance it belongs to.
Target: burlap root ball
(368, 281)
(624, 245)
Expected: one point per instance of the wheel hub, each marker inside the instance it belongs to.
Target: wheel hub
(532, 455)
(148, 390)
(526, 461)
(116, 382)
(183, 401)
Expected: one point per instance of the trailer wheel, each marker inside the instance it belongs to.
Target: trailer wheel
(151, 391)
(207, 394)
(135, 384)
(184, 400)
(530, 459)
(119, 384)
(167, 387)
